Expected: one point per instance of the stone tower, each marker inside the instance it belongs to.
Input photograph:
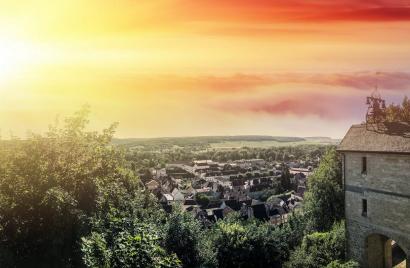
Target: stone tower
(376, 168)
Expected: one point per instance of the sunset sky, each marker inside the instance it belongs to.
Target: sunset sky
(201, 67)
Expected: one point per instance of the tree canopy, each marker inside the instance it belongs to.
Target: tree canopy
(324, 201)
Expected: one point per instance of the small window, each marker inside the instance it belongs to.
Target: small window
(364, 207)
(364, 165)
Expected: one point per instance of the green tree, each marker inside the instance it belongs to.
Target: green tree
(183, 236)
(319, 249)
(247, 244)
(137, 248)
(49, 186)
(324, 204)
(68, 184)
(202, 199)
(285, 184)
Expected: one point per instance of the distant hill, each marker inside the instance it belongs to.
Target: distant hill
(322, 139)
(236, 141)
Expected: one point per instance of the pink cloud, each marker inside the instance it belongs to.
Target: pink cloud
(389, 81)
(324, 106)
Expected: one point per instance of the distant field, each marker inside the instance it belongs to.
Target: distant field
(265, 144)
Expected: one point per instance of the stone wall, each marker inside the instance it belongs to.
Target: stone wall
(386, 187)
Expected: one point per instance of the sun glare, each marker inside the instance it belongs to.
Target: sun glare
(15, 57)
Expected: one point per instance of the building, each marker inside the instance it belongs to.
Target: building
(376, 168)
(152, 185)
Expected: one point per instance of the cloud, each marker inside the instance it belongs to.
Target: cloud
(324, 106)
(268, 11)
(390, 81)
(364, 81)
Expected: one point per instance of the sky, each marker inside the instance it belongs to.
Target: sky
(204, 67)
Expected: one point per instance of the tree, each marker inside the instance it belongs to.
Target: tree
(405, 109)
(319, 249)
(202, 199)
(137, 248)
(399, 113)
(183, 236)
(247, 244)
(292, 232)
(285, 184)
(49, 186)
(324, 204)
(393, 113)
(68, 184)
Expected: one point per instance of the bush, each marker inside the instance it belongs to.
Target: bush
(248, 244)
(183, 236)
(339, 264)
(138, 248)
(319, 249)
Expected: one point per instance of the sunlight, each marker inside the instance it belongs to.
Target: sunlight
(15, 56)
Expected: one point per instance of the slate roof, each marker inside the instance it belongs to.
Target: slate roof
(387, 137)
(259, 212)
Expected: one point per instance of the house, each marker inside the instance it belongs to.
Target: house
(376, 177)
(177, 195)
(152, 185)
(166, 199)
(300, 191)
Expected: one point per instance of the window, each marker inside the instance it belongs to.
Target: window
(364, 207)
(364, 165)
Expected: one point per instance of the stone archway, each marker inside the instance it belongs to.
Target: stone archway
(383, 252)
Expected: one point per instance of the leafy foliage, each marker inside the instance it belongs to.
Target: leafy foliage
(340, 264)
(49, 186)
(202, 199)
(129, 247)
(56, 188)
(324, 204)
(248, 244)
(399, 113)
(319, 249)
(183, 236)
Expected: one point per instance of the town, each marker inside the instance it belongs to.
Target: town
(210, 190)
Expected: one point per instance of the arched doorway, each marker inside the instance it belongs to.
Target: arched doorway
(383, 252)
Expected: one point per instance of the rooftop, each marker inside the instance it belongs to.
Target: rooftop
(387, 137)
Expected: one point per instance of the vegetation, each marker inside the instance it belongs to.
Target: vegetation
(70, 198)
(57, 188)
(202, 199)
(324, 204)
(183, 235)
(399, 113)
(319, 249)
